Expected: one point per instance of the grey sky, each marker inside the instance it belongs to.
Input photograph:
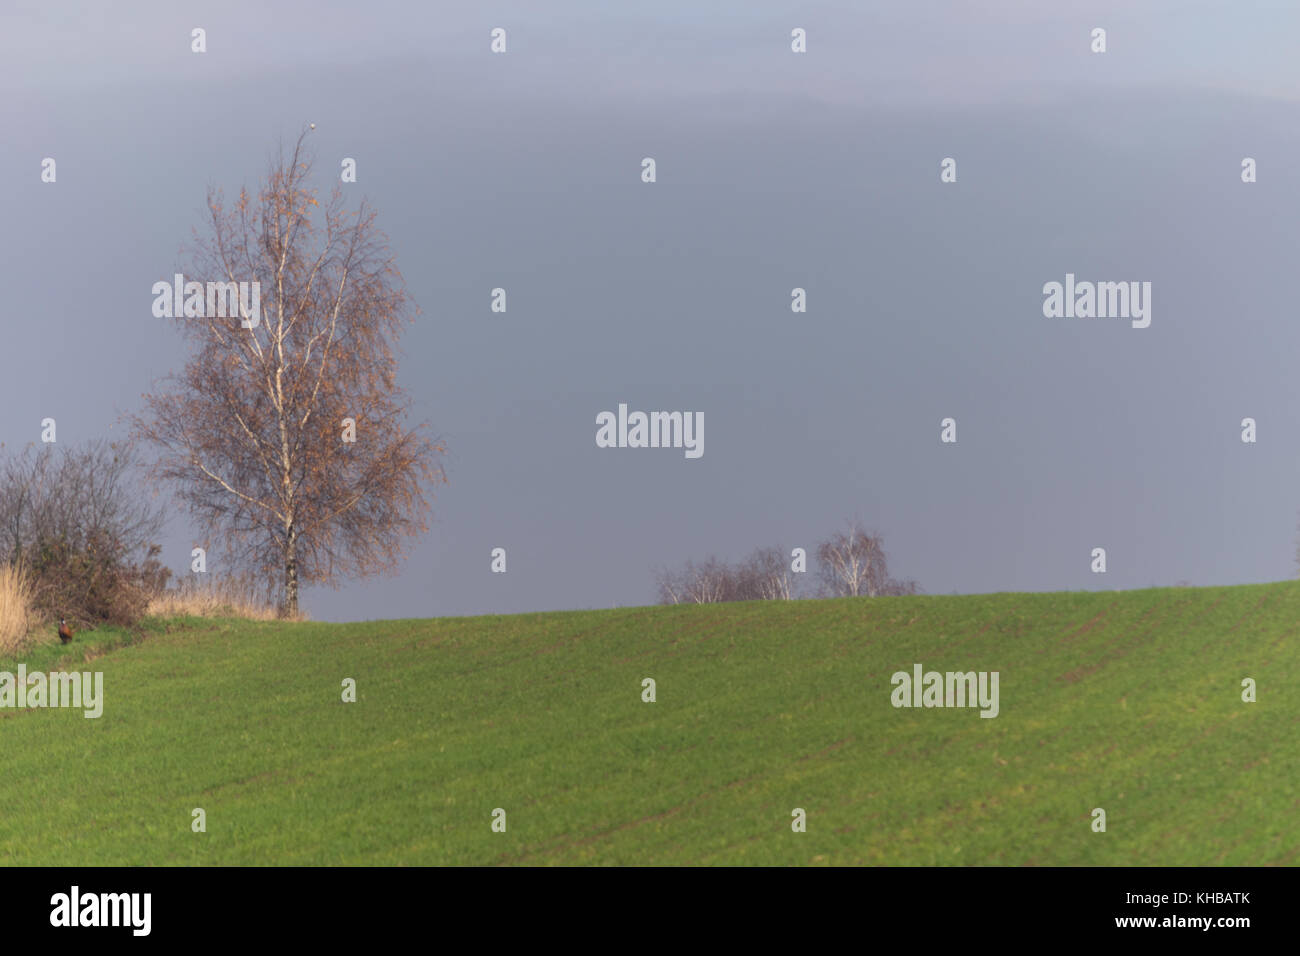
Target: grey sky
(775, 170)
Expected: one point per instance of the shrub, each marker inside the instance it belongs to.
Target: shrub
(74, 523)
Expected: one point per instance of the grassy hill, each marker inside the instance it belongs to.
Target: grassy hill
(1129, 701)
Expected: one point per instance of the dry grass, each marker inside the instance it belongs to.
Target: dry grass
(21, 626)
(15, 608)
(207, 597)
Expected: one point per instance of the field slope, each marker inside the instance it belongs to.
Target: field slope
(1129, 701)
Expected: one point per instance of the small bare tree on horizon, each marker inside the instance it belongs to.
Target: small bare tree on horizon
(852, 563)
(251, 433)
(763, 576)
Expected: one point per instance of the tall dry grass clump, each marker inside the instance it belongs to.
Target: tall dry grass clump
(207, 596)
(15, 607)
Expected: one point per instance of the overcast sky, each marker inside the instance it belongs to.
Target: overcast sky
(775, 170)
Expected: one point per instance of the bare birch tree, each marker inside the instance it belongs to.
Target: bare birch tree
(252, 433)
(763, 576)
(852, 563)
(766, 576)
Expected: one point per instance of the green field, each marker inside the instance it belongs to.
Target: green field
(1129, 701)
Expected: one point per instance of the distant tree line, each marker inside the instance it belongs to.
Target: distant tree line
(850, 563)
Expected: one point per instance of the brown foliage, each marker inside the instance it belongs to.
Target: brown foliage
(250, 433)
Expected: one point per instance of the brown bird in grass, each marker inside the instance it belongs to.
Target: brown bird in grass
(65, 632)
